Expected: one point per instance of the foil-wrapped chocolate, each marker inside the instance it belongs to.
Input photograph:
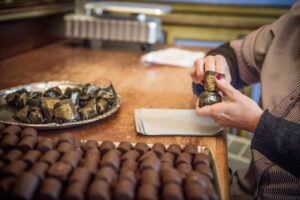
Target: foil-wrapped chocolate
(35, 115)
(89, 110)
(22, 100)
(72, 94)
(54, 92)
(34, 99)
(22, 115)
(64, 111)
(47, 107)
(12, 98)
(108, 93)
(102, 106)
(210, 95)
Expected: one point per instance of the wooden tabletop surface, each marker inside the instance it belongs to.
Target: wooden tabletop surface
(139, 87)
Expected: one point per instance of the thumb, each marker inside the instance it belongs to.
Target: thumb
(225, 87)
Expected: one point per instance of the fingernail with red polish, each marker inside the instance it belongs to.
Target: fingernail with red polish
(203, 82)
(218, 76)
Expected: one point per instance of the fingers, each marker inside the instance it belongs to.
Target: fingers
(203, 111)
(197, 72)
(225, 86)
(220, 64)
(209, 63)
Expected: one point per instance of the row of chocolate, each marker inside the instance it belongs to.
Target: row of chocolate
(33, 167)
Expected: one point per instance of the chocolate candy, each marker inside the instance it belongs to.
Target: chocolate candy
(80, 174)
(141, 147)
(196, 178)
(124, 190)
(65, 147)
(106, 173)
(205, 169)
(168, 158)
(12, 129)
(125, 146)
(128, 175)
(2, 127)
(75, 190)
(91, 160)
(174, 149)
(151, 177)
(184, 158)
(31, 157)
(129, 165)
(152, 163)
(66, 137)
(147, 155)
(111, 159)
(91, 144)
(45, 144)
(50, 157)
(130, 155)
(172, 191)
(50, 189)
(25, 186)
(99, 189)
(27, 143)
(72, 157)
(190, 148)
(158, 148)
(6, 185)
(65, 111)
(212, 194)
(171, 176)
(29, 132)
(195, 191)
(201, 158)
(14, 168)
(60, 170)
(184, 168)
(12, 155)
(9, 141)
(40, 169)
(147, 192)
(106, 146)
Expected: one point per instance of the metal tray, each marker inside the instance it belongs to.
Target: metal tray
(7, 112)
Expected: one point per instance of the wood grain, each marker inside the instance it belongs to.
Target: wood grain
(139, 86)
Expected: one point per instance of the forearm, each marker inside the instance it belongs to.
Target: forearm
(279, 141)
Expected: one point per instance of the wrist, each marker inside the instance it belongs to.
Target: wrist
(255, 120)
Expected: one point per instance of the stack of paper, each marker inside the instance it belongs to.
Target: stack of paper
(167, 122)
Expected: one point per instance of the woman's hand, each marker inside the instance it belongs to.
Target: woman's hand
(238, 111)
(209, 63)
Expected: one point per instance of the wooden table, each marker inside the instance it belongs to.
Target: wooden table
(139, 86)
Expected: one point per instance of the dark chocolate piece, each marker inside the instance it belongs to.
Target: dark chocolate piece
(106, 173)
(171, 176)
(47, 105)
(151, 177)
(147, 155)
(147, 192)
(111, 159)
(205, 169)
(80, 174)
(12, 155)
(65, 147)
(125, 146)
(15, 168)
(50, 157)
(65, 111)
(91, 160)
(130, 155)
(165, 166)
(35, 115)
(29, 132)
(75, 191)
(98, 189)
(27, 143)
(129, 165)
(184, 168)
(60, 170)
(5, 186)
(25, 186)
(172, 191)
(9, 141)
(151, 163)
(195, 191)
(190, 148)
(184, 158)
(168, 158)
(91, 144)
(66, 137)
(45, 144)
(141, 147)
(124, 190)
(12, 129)
(40, 169)
(158, 148)
(201, 158)
(174, 149)
(196, 178)
(128, 175)
(50, 189)
(106, 146)
(72, 157)
(31, 157)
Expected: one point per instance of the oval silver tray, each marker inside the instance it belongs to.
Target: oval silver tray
(7, 112)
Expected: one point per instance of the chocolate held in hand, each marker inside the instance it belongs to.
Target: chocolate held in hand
(210, 95)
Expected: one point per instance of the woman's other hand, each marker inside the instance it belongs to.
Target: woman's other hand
(209, 63)
(238, 111)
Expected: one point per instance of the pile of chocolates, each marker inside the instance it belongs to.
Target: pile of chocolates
(54, 105)
(33, 167)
